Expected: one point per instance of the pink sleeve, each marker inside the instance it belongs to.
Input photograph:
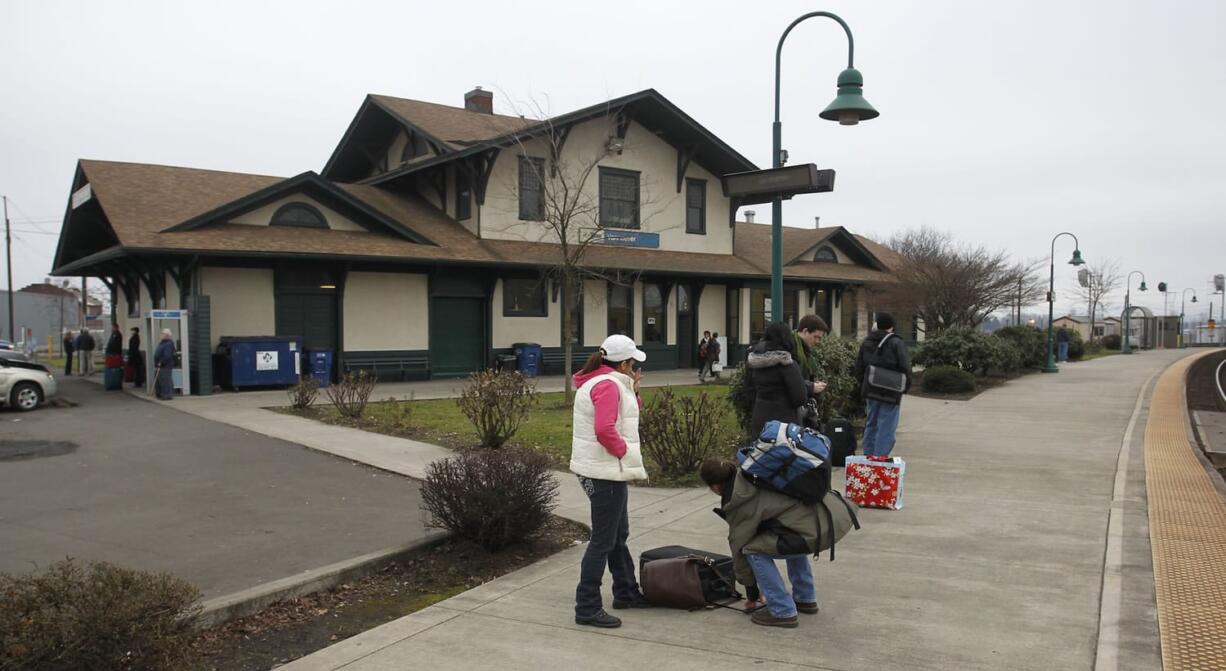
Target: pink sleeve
(607, 397)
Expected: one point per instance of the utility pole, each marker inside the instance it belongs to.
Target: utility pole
(8, 264)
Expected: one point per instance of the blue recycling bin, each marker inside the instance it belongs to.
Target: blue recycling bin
(529, 358)
(258, 361)
(319, 366)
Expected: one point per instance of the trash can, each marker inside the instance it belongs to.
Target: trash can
(528, 355)
(505, 362)
(259, 361)
(319, 366)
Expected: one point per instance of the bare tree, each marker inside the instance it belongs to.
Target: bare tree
(1104, 278)
(949, 285)
(568, 210)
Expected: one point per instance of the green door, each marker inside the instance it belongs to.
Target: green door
(457, 336)
(311, 316)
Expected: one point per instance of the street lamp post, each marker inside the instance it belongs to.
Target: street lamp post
(1127, 349)
(1182, 304)
(1051, 295)
(849, 108)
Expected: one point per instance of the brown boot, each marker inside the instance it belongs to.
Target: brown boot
(763, 617)
(808, 607)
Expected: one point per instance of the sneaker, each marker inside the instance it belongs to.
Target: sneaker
(808, 607)
(637, 602)
(599, 619)
(763, 617)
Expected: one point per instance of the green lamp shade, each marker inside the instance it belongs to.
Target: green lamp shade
(1143, 287)
(1076, 260)
(849, 107)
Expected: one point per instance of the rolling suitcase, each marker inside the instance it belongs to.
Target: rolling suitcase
(842, 435)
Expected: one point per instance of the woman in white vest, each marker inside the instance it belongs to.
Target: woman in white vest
(605, 455)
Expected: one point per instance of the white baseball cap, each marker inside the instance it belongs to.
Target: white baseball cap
(618, 348)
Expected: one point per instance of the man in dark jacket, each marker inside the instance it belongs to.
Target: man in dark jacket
(774, 378)
(86, 345)
(114, 344)
(70, 348)
(884, 349)
(164, 363)
(1062, 339)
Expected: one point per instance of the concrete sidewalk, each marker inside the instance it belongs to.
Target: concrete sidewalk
(996, 562)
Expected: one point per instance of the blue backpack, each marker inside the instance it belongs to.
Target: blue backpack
(788, 459)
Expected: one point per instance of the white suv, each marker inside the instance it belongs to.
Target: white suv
(24, 384)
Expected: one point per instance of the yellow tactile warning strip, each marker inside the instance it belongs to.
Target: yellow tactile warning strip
(1187, 531)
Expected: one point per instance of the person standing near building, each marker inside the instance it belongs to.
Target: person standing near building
(883, 349)
(86, 345)
(605, 455)
(114, 344)
(70, 348)
(164, 364)
(135, 360)
(773, 376)
(704, 363)
(1062, 339)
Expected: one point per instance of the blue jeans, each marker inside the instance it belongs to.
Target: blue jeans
(800, 573)
(1063, 355)
(879, 428)
(610, 528)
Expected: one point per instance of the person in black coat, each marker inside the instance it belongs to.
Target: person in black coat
(778, 388)
(135, 360)
(70, 348)
(885, 349)
(114, 344)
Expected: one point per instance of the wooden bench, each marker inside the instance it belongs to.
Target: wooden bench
(392, 368)
(552, 360)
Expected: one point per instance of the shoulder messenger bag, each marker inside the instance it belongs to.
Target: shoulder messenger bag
(886, 379)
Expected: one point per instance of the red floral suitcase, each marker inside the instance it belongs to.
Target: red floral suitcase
(874, 484)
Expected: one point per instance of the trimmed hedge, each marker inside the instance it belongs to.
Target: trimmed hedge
(1113, 341)
(948, 380)
(1031, 344)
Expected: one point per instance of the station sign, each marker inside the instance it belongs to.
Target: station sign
(763, 186)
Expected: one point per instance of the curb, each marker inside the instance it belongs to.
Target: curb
(222, 609)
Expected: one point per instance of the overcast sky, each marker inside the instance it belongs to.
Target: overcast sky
(1001, 122)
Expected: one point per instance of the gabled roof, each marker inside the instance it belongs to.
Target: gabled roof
(319, 189)
(457, 132)
(168, 210)
(753, 241)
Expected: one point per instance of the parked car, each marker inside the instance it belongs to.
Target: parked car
(24, 384)
(5, 345)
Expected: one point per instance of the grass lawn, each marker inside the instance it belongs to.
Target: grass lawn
(547, 429)
(1105, 352)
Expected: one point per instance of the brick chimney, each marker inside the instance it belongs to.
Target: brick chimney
(477, 100)
(749, 214)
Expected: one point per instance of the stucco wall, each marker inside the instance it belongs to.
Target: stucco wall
(386, 311)
(546, 331)
(242, 301)
(712, 313)
(662, 208)
(595, 313)
(262, 216)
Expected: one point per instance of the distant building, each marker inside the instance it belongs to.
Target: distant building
(1081, 324)
(41, 310)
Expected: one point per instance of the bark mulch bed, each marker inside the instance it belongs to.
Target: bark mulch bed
(291, 629)
(982, 384)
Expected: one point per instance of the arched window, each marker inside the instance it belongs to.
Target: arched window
(301, 215)
(826, 254)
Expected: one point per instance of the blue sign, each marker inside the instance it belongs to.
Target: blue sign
(167, 314)
(628, 238)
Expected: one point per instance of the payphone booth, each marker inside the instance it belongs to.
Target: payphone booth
(176, 321)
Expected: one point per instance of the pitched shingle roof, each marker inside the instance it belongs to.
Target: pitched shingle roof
(455, 126)
(142, 201)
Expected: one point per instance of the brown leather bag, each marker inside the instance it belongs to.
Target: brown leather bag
(673, 583)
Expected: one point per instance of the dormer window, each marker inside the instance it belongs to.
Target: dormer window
(301, 215)
(826, 254)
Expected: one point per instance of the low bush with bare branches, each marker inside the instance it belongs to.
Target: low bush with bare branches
(96, 616)
(351, 394)
(497, 404)
(303, 394)
(678, 432)
(495, 498)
